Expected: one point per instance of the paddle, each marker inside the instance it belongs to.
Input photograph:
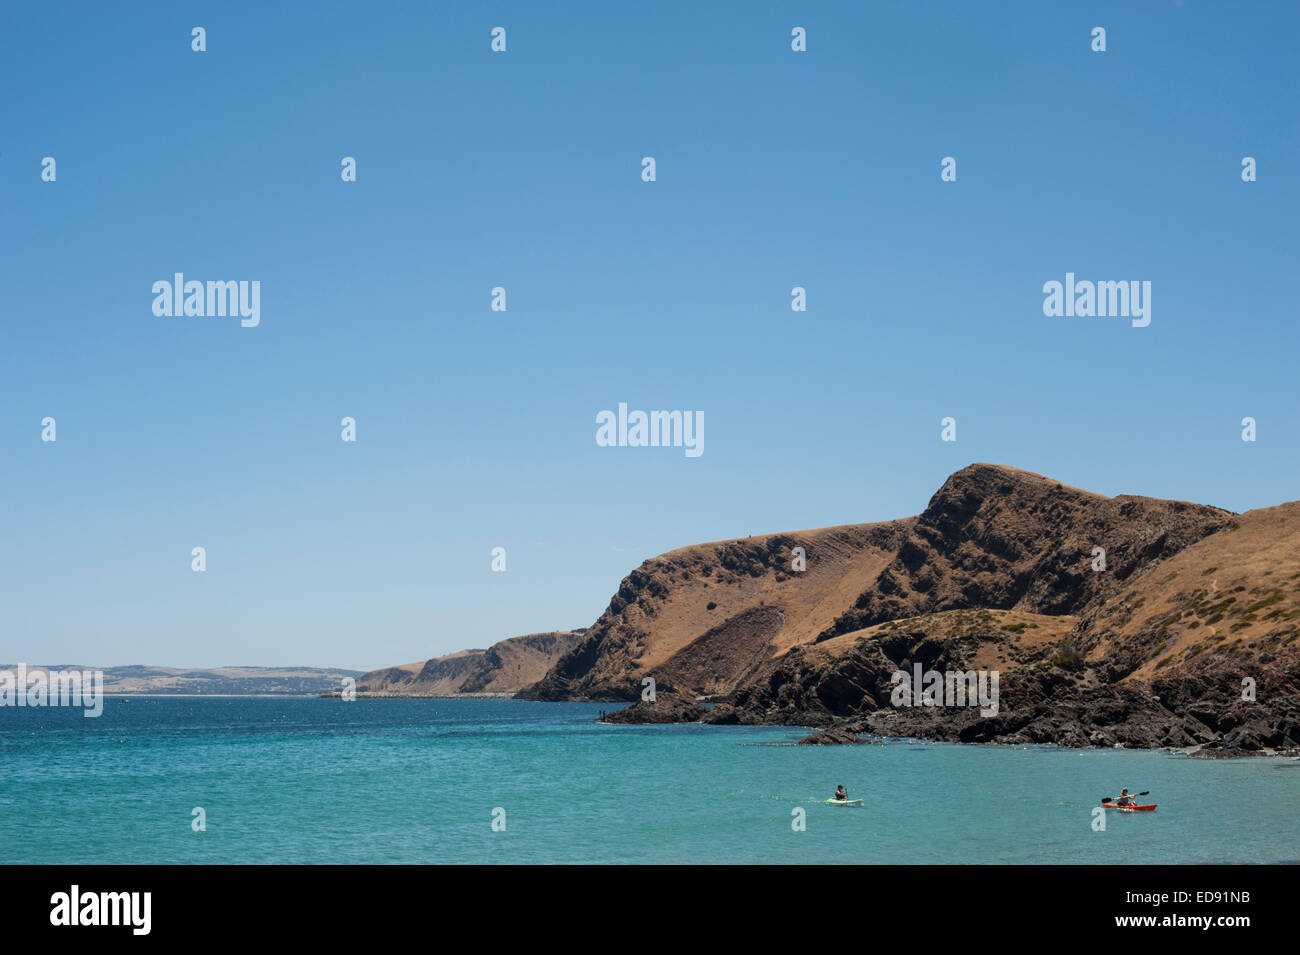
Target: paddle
(1112, 798)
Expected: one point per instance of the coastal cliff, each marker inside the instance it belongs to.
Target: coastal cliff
(1125, 621)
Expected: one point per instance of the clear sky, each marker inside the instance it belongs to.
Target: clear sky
(475, 428)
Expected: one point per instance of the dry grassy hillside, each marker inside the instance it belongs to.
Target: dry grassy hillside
(703, 618)
(509, 666)
(707, 619)
(501, 670)
(1237, 591)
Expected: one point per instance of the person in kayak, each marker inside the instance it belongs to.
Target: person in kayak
(1124, 799)
(841, 795)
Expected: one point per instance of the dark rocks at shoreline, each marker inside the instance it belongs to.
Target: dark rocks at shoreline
(833, 736)
(1045, 703)
(1136, 725)
(665, 708)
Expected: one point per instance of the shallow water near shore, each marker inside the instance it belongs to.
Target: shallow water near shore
(304, 780)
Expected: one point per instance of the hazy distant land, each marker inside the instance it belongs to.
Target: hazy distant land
(218, 681)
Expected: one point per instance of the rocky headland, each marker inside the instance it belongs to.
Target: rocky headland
(1109, 621)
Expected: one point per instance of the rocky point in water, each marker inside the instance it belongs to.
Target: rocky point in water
(664, 708)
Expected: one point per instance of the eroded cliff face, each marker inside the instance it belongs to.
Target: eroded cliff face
(998, 573)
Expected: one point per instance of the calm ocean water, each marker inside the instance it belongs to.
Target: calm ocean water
(413, 781)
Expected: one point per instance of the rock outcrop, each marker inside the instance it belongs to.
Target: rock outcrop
(832, 736)
(664, 708)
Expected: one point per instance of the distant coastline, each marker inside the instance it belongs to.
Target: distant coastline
(147, 680)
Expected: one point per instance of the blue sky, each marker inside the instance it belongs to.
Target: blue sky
(475, 428)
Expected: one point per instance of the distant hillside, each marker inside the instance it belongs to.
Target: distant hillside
(220, 681)
(997, 573)
(503, 669)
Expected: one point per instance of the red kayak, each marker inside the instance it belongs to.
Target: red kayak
(1111, 805)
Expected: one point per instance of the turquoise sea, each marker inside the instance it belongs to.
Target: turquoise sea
(306, 780)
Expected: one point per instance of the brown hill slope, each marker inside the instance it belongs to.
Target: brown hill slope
(1221, 617)
(702, 618)
(502, 669)
(439, 676)
(1238, 590)
(991, 537)
(511, 665)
